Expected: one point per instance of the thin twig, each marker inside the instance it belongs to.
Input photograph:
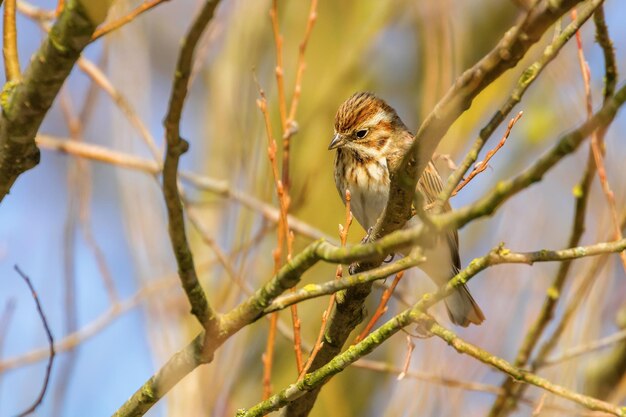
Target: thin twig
(537, 410)
(519, 374)
(219, 187)
(42, 393)
(597, 143)
(498, 255)
(285, 237)
(528, 76)
(343, 237)
(585, 348)
(586, 283)
(381, 309)
(120, 100)
(410, 346)
(9, 45)
(482, 165)
(35, 13)
(291, 125)
(268, 357)
(279, 69)
(118, 23)
(297, 90)
(378, 366)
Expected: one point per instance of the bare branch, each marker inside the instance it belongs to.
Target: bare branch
(176, 146)
(26, 103)
(42, 393)
(529, 75)
(482, 165)
(116, 24)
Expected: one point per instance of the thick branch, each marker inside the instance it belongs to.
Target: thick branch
(26, 102)
(314, 380)
(252, 309)
(505, 55)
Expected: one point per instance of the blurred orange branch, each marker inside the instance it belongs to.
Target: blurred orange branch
(279, 70)
(118, 23)
(220, 187)
(9, 44)
(597, 143)
(343, 237)
(381, 309)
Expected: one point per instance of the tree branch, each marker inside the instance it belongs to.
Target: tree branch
(176, 146)
(566, 145)
(507, 53)
(521, 375)
(51, 351)
(529, 75)
(314, 380)
(26, 102)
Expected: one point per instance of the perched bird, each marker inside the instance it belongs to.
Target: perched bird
(369, 138)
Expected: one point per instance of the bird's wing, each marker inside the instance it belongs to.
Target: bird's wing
(430, 185)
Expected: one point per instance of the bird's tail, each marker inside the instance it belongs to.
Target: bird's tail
(462, 308)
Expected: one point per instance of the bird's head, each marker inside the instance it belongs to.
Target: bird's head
(364, 122)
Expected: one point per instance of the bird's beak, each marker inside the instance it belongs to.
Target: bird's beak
(336, 142)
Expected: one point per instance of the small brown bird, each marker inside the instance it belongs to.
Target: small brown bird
(369, 138)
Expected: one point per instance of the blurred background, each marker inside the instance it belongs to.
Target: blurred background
(92, 236)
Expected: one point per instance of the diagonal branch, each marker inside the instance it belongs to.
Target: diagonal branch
(314, 380)
(116, 24)
(505, 55)
(566, 145)
(521, 375)
(528, 76)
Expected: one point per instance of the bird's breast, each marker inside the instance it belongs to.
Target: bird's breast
(367, 178)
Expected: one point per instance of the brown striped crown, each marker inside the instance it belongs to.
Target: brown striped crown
(362, 107)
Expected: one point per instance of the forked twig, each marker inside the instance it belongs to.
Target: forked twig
(482, 165)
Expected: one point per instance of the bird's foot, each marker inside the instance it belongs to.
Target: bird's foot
(367, 236)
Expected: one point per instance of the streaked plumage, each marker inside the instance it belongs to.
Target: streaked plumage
(370, 138)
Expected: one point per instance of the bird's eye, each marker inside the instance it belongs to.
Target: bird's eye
(361, 133)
